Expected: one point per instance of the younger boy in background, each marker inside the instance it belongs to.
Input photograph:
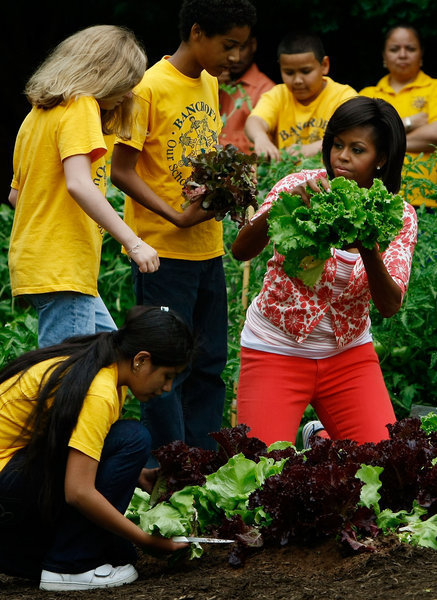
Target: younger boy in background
(295, 113)
(249, 83)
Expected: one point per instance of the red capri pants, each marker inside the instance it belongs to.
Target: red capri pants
(347, 391)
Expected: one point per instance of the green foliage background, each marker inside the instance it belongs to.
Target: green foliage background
(406, 343)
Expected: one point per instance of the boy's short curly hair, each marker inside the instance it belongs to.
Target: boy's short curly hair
(215, 17)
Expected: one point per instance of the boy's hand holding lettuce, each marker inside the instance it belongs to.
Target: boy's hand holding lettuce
(336, 219)
(225, 180)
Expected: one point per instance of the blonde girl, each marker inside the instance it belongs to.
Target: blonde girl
(80, 92)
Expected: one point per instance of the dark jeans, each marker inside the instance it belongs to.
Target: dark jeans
(74, 544)
(194, 408)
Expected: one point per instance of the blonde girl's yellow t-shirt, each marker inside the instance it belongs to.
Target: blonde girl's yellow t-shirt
(101, 409)
(419, 95)
(291, 122)
(54, 245)
(176, 118)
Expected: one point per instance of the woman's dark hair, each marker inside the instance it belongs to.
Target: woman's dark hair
(158, 330)
(388, 134)
(215, 17)
(301, 43)
(403, 26)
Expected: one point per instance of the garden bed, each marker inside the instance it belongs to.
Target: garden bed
(396, 571)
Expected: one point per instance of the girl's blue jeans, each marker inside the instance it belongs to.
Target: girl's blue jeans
(74, 544)
(65, 314)
(194, 408)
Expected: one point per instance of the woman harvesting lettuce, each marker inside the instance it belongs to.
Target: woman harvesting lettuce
(305, 344)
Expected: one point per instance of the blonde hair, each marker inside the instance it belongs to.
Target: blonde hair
(100, 61)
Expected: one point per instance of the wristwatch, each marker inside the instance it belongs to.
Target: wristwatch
(408, 124)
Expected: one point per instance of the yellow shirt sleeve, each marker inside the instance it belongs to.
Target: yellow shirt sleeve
(269, 105)
(101, 409)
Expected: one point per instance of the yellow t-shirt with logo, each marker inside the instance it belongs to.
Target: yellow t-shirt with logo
(54, 245)
(291, 122)
(101, 409)
(176, 118)
(419, 95)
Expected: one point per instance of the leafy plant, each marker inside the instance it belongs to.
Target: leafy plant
(305, 235)
(415, 177)
(263, 496)
(225, 181)
(269, 172)
(407, 342)
(411, 527)
(244, 98)
(19, 324)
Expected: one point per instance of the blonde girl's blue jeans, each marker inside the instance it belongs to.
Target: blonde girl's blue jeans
(66, 314)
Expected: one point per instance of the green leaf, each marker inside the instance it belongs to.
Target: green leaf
(419, 532)
(280, 446)
(231, 485)
(140, 502)
(165, 520)
(369, 495)
(429, 422)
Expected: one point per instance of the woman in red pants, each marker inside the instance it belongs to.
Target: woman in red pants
(303, 345)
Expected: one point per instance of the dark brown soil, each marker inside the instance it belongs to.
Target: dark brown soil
(395, 572)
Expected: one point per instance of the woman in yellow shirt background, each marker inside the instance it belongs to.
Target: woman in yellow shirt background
(412, 92)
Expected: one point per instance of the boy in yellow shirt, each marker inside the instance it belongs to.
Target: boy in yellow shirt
(294, 114)
(177, 117)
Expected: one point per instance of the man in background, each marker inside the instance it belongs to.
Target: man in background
(243, 85)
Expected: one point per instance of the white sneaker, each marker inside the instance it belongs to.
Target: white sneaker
(101, 577)
(308, 430)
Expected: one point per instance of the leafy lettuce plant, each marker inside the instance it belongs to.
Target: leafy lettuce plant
(335, 219)
(225, 181)
(278, 496)
(198, 509)
(411, 527)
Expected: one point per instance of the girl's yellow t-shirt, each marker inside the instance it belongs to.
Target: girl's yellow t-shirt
(101, 409)
(176, 118)
(54, 245)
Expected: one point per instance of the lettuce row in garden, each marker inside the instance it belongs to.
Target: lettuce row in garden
(336, 219)
(195, 509)
(411, 527)
(275, 496)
